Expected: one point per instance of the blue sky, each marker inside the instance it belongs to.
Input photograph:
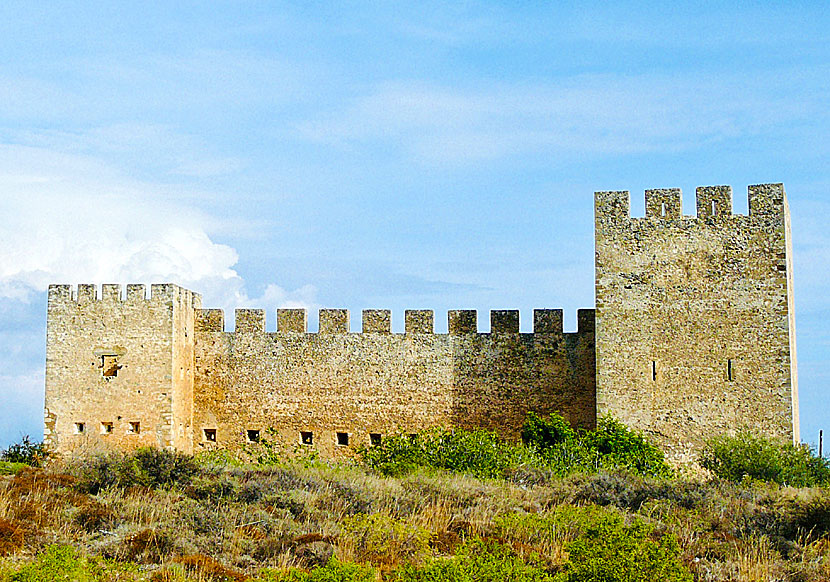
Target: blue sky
(379, 155)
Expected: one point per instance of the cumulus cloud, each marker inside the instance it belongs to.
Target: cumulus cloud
(69, 218)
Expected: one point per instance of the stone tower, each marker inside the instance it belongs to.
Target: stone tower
(695, 329)
(119, 371)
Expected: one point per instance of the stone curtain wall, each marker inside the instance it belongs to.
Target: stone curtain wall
(117, 368)
(695, 326)
(381, 383)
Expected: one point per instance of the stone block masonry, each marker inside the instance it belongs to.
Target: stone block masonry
(693, 335)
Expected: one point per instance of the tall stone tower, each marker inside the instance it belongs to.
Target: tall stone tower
(695, 329)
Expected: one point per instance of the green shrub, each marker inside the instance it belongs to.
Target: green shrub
(611, 446)
(545, 433)
(551, 445)
(146, 467)
(477, 561)
(617, 446)
(611, 551)
(381, 539)
(25, 452)
(334, 571)
(65, 563)
(744, 455)
(476, 452)
(268, 451)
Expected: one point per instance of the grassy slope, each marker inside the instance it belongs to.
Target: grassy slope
(229, 523)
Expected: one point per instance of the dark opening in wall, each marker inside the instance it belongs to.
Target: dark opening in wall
(307, 437)
(109, 366)
(252, 435)
(209, 434)
(106, 428)
(79, 428)
(730, 372)
(653, 371)
(374, 439)
(343, 439)
(135, 428)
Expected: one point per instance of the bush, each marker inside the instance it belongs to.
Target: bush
(7, 468)
(617, 446)
(383, 540)
(476, 452)
(65, 563)
(611, 446)
(541, 433)
(145, 467)
(25, 452)
(550, 445)
(334, 571)
(744, 455)
(611, 551)
(477, 561)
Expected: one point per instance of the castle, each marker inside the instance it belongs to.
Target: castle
(693, 335)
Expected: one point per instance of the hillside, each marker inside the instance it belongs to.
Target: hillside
(154, 515)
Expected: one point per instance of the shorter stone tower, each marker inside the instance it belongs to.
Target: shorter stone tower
(695, 329)
(119, 371)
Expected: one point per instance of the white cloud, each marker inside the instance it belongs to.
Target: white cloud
(69, 219)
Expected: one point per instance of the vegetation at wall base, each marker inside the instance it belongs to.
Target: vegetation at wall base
(549, 444)
(745, 456)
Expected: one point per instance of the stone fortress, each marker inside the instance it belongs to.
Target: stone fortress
(693, 335)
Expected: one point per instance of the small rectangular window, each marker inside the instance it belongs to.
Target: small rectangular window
(714, 208)
(374, 439)
(653, 371)
(663, 209)
(79, 428)
(135, 428)
(109, 366)
(730, 372)
(106, 428)
(343, 439)
(307, 437)
(252, 435)
(209, 434)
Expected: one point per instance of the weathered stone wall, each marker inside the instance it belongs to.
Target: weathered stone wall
(694, 316)
(377, 382)
(112, 362)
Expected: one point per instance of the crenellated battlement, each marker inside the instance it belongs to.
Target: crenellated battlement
(712, 203)
(379, 321)
(113, 293)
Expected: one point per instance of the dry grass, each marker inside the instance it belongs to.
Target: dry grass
(232, 523)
